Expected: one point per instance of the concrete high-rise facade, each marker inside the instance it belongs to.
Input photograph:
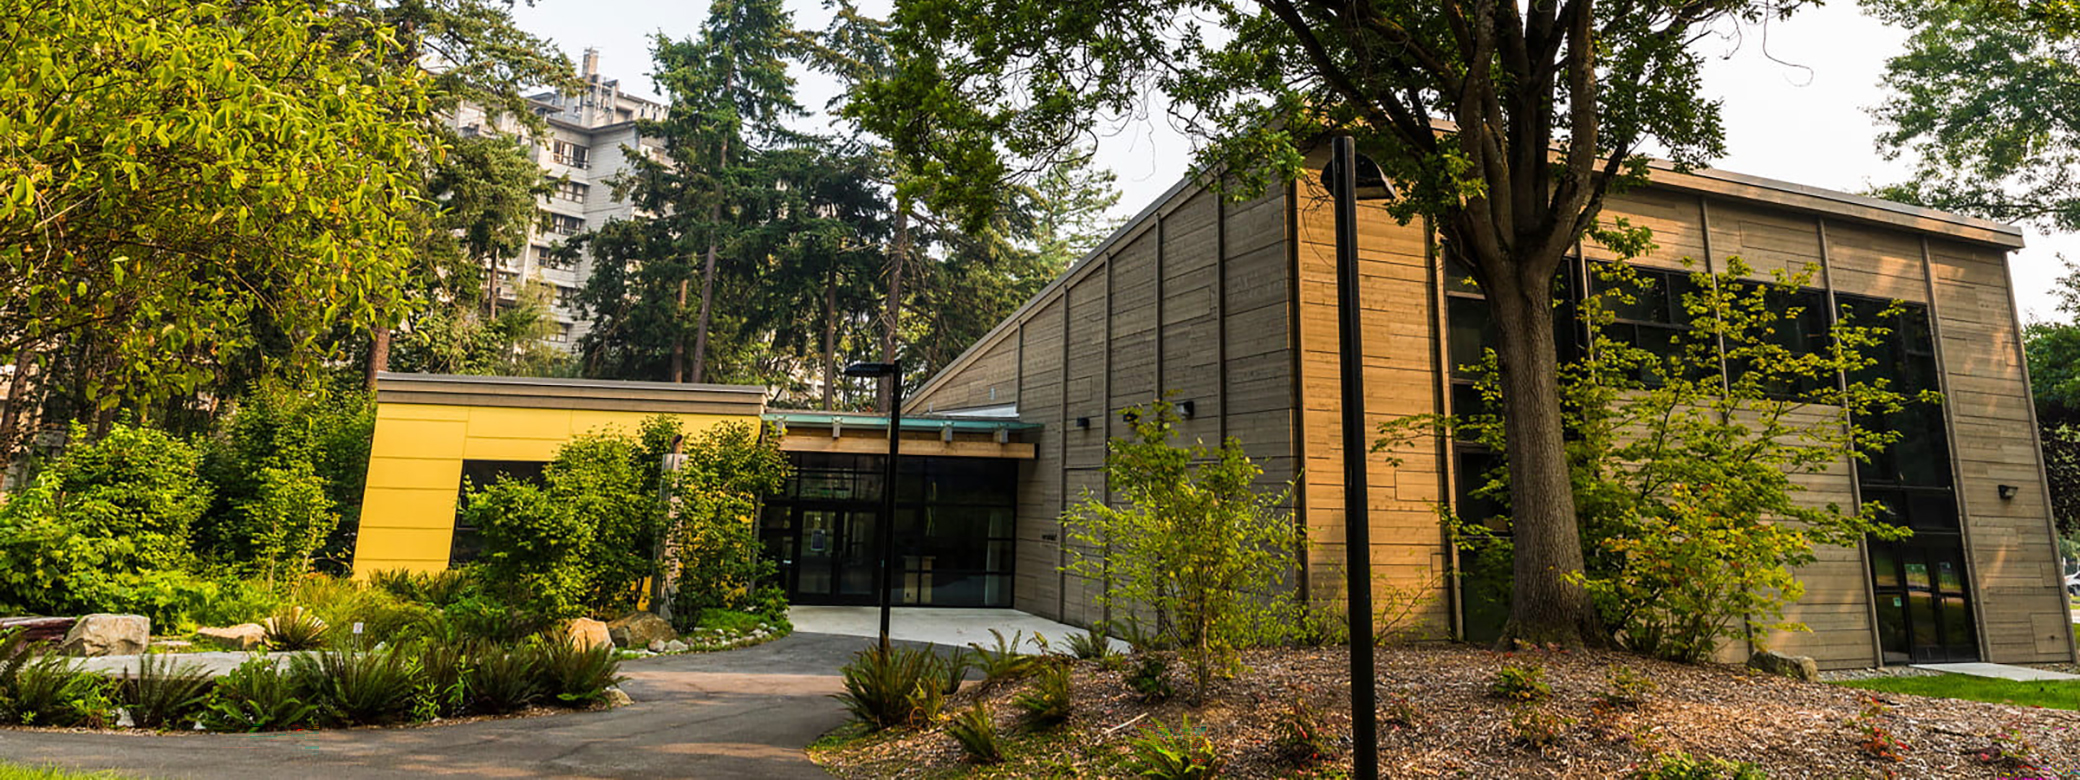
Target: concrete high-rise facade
(584, 146)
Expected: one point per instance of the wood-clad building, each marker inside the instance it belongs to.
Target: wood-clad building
(1231, 307)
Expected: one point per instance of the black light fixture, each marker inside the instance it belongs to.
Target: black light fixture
(1351, 177)
(2009, 492)
(893, 372)
(1187, 409)
(1083, 423)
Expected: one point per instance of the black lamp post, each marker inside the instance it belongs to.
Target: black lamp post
(887, 530)
(1350, 178)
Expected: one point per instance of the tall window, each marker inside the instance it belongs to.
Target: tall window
(562, 224)
(573, 155)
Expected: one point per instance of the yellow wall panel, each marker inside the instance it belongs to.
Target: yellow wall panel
(401, 544)
(543, 449)
(506, 423)
(409, 508)
(418, 438)
(396, 472)
(422, 412)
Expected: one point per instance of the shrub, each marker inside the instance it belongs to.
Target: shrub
(289, 463)
(295, 629)
(1163, 753)
(435, 589)
(580, 541)
(713, 542)
(45, 690)
(1049, 702)
(258, 696)
(577, 676)
(1303, 734)
(505, 679)
(1003, 661)
(84, 534)
(1401, 712)
(1150, 678)
(1520, 683)
(1195, 543)
(359, 686)
(444, 666)
(488, 619)
(975, 730)
(1535, 725)
(1627, 688)
(881, 685)
(1677, 765)
(1092, 644)
(165, 693)
(1874, 738)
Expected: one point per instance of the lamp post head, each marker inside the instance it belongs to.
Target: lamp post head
(1372, 182)
(873, 369)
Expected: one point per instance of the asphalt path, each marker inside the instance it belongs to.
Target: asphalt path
(737, 714)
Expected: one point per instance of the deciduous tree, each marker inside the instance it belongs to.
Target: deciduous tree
(1504, 123)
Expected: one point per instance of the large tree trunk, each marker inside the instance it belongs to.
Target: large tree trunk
(678, 365)
(700, 334)
(1547, 605)
(830, 337)
(891, 321)
(378, 356)
(15, 419)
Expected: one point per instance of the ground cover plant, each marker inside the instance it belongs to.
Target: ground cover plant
(1700, 721)
(2054, 694)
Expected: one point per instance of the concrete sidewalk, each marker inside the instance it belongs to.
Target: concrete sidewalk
(955, 627)
(1998, 671)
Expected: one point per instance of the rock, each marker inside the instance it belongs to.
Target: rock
(639, 629)
(618, 698)
(39, 629)
(588, 634)
(655, 646)
(244, 636)
(675, 646)
(1797, 667)
(104, 634)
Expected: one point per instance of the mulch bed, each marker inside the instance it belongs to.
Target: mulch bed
(1789, 729)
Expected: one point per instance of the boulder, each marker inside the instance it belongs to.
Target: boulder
(639, 629)
(588, 634)
(104, 634)
(1797, 667)
(244, 636)
(39, 629)
(617, 697)
(675, 646)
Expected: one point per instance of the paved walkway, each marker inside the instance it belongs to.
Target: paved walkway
(738, 714)
(1998, 671)
(949, 626)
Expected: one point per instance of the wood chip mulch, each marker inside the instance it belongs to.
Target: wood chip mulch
(1789, 729)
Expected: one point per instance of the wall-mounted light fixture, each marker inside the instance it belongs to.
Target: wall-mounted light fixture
(837, 428)
(946, 433)
(1003, 435)
(1130, 416)
(1187, 409)
(1083, 423)
(2009, 491)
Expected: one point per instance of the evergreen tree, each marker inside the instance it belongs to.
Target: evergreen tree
(730, 91)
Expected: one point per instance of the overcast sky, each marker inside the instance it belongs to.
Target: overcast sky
(1795, 94)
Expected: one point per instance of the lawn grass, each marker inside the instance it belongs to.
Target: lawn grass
(2062, 695)
(19, 772)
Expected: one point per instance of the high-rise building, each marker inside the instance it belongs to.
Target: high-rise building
(583, 148)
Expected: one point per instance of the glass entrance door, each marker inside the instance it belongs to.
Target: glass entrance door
(1924, 604)
(827, 554)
